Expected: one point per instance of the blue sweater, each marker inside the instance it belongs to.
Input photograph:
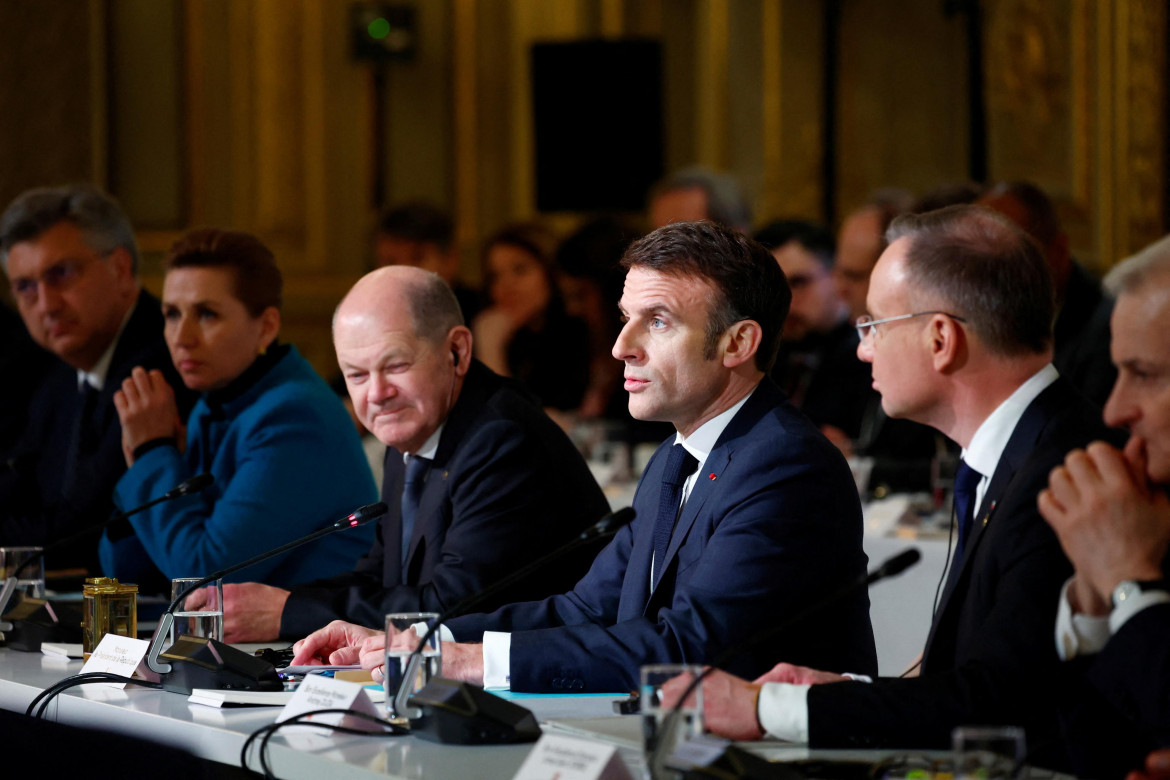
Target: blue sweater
(286, 460)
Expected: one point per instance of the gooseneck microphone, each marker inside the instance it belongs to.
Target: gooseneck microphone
(187, 487)
(891, 567)
(435, 728)
(225, 666)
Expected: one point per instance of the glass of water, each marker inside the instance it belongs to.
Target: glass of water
(428, 665)
(988, 752)
(30, 581)
(200, 613)
(662, 732)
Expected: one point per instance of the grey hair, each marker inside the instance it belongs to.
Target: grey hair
(434, 309)
(1135, 271)
(96, 214)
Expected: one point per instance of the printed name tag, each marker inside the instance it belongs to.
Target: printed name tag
(117, 654)
(326, 693)
(565, 758)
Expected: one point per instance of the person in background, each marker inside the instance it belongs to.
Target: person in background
(285, 456)
(71, 258)
(698, 193)
(524, 332)
(422, 235)
(817, 366)
(860, 243)
(1109, 507)
(1083, 308)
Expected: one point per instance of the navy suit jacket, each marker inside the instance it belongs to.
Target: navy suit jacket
(40, 501)
(773, 523)
(506, 485)
(990, 655)
(1117, 705)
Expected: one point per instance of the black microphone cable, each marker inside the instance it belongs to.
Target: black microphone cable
(265, 733)
(46, 696)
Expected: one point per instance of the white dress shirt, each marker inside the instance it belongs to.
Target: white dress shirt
(783, 707)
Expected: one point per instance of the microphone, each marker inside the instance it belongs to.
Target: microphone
(187, 487)
(891, 567)
(495, 721)
(208, 663)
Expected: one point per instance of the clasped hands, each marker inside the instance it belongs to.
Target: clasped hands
(341, 643)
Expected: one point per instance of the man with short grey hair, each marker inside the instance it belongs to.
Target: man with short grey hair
(1110, 509)
(71, 258)
(478, 479)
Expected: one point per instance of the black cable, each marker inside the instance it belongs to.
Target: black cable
(947, 563)
(265, 733)
(46, 696)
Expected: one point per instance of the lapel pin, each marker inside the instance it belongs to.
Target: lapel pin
(711, 475)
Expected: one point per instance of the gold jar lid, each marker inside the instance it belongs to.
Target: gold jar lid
(107, 586)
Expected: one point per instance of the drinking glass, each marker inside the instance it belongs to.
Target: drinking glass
(200, 613)
(429, 664)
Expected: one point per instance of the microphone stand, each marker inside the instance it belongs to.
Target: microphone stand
(219, 651)
(404, 696)
(892, 567)
(188, 487)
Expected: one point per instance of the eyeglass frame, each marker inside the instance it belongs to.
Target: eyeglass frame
(870, 326)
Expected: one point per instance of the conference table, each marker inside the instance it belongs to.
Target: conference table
(219, 734)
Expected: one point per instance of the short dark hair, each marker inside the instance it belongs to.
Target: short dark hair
(982, 267)
(814, 238)
(95, 213)
(418, 221)
(748, 283)
(1040, 219)
(257, 281)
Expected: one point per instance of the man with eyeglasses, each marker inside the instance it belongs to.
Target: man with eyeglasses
(959, 334)
(71, 260)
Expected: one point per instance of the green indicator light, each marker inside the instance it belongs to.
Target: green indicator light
(379, 28)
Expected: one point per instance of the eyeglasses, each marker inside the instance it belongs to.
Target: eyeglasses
(61, 276)
(866, 324)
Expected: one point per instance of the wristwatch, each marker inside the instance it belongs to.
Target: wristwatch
(1127, 589)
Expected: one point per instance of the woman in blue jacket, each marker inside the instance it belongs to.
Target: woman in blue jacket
(284, 453)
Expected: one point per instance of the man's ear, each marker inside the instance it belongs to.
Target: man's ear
(269, 326)
(459, 345)
(948, 344)
(740, 343)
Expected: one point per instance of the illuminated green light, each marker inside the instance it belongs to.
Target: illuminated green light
(379, 28)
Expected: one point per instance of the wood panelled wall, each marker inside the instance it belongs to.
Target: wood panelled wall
(250, 113)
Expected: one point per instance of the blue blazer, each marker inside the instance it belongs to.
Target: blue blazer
(286, 460)
(772, 525)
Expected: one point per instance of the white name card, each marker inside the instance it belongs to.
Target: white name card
(557, 757)
(118, 655)
(326, 693)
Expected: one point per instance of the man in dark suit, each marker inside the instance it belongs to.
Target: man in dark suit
(1110, 509)
(960, 339)
(477, 477)
(769, 517)
(71, 258)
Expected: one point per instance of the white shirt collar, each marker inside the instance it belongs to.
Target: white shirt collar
(702, 440)
(430, 446)
(990, 439)
(96, 376)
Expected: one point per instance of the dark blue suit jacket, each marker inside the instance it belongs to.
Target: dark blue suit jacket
(506, 486)
(990, 655)
(772, 524)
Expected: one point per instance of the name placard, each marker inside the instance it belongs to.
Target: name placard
(326, 693)
(557, 757)
(118, 655)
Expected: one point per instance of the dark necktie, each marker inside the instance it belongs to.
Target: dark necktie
(680, 464)
(966, 481)
(80, 442)
(416, 476)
